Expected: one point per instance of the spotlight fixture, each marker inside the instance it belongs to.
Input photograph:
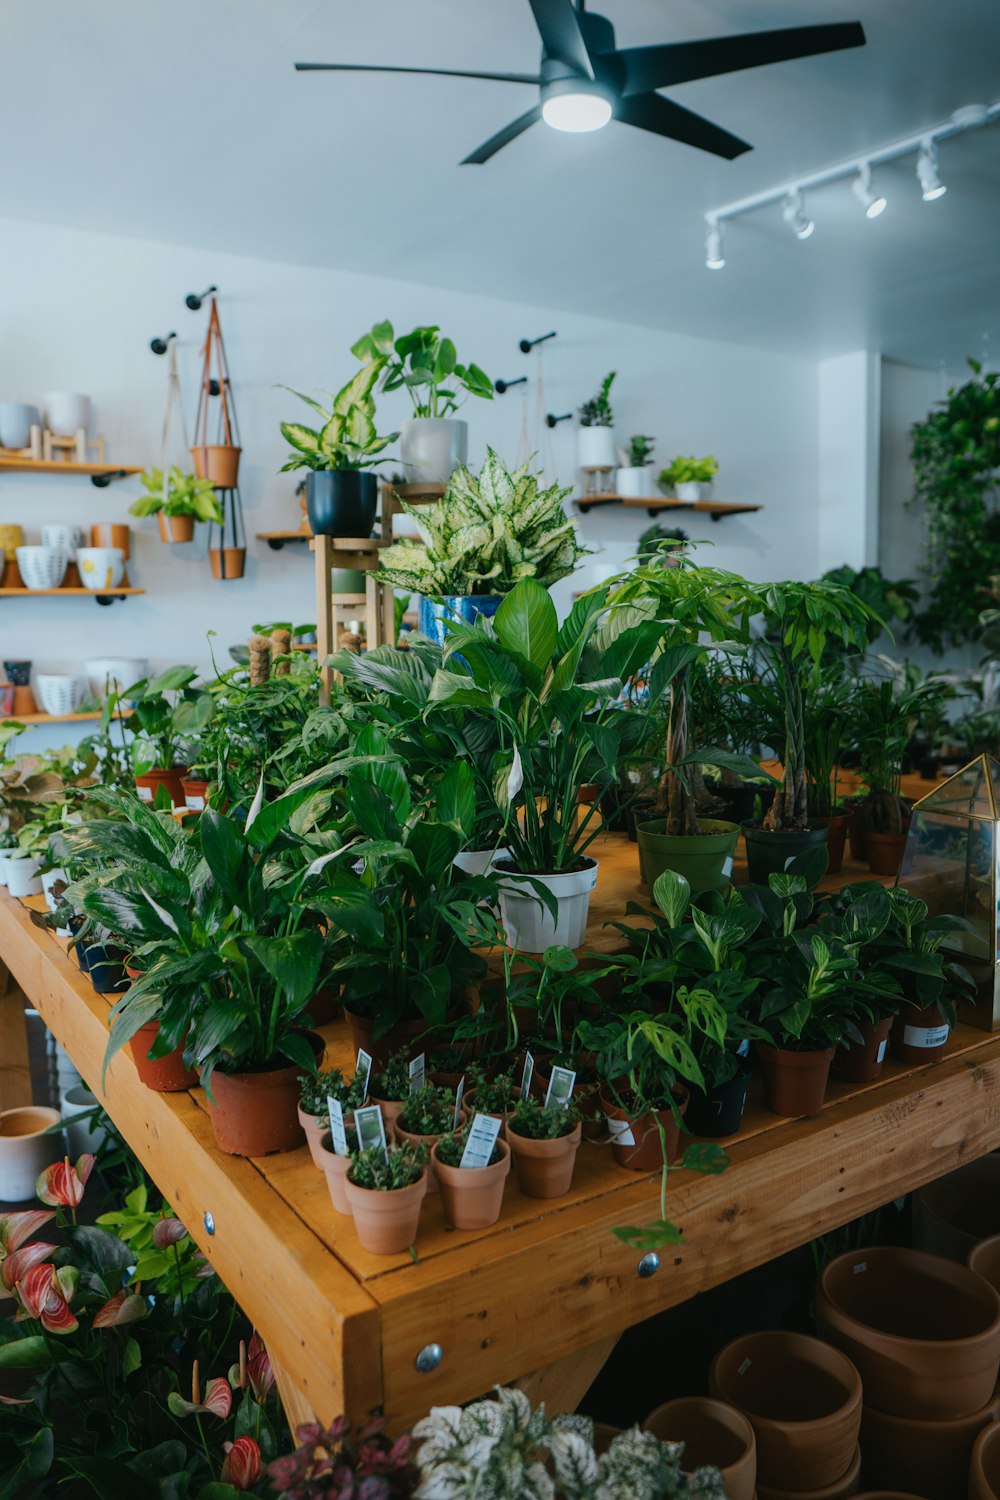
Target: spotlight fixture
(714, 258)
(795, 216)
(931, 185)
(861, 187)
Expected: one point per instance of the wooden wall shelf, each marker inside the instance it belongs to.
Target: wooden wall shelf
(653, 504)
(278, 539)
(79, 593)
(101, 474)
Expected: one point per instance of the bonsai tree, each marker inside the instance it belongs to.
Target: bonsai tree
(177, 494)
(426, 366)
(597, 411)
(346, 437)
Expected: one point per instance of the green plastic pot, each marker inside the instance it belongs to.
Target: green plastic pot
(768, 853)
(700, 858)
(347, 581)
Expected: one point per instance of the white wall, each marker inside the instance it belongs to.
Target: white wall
(77, 311)
(848, 460)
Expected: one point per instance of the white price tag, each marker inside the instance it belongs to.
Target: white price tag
(727, 868)
(145, 793)
(195, 804)
(338, 1130)
(621, 1132)
(370, 1126)
(560, 1089)
(880, 1054)
(482, 1138)
(527, 1073)
(458, 1101)
(363, 1070)
(925, 1036)
(418, 1073)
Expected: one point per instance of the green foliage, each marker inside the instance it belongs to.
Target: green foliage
(689, 471)
(597, 411)
(496, 1096)
(429, 1111)
(393, 1082)
(314, 1088)
(426, 366)
(179, 494)
(530, 1118)
(346, 438)
(486, 533)
(451, 1147)
(640, 451)
(888, 599)
(397, 1167)
(169, 714)
(651, 546)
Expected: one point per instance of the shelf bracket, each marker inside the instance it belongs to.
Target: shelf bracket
(274, 545)
(106, 599)
(101, 481)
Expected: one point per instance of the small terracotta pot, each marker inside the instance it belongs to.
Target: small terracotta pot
(794, 1082)
(111, 534)
(803, 1400)
(984, 1465)
(861, 1062)
(713, 1433)
(471, 1107)
(912, 1453)
(919, 1036)
(195, 790)
(884, 852)
(391, 1111)
(24, 701)
(952, 1215)
(175, 528)
(314, 1128)
(923, 1331)
(165, 1075)
(984, 1259)
(545, 1168)
(842, 1490)
(218, 462)
(645, 1151)
(148, 784)
(386, 1222)
(472, 1196)
(837, 825)
(335, 1169)
(227, 562)
(256, 1114)
(429, 1141)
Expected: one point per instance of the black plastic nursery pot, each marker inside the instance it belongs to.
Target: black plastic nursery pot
(719, 1111)
(341, 502)
(105, 964)
(768, 853)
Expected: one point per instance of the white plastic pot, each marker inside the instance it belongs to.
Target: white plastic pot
(595, 447)
(22, 876)
(635, 484)
(66, 412)
(114, 673)
(76, 1104)
(528, 923)
(478, 861)
(689, 491)
(49, 879)
(26, 1150)
(6, 854)
(431, 447)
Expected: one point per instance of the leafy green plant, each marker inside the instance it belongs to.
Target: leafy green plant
(429, 1111)
(810, 1005)
(393, 1081)
(346, 437)
(597, 411)
(315, 1088)
(884, 716)
(530, 1118)
(426, 366)
(640, 451)
(660, 543)
(169, 713)
(912, 948)
(451, 1147)
(689, 471)
(177, 494)
(888, 599)
(382, 1172)
(486, 533)
(495, 1096)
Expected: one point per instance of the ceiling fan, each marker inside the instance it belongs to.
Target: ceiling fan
(584, 80)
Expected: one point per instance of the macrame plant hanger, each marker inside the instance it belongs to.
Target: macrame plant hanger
(174, 439)
(216, 453)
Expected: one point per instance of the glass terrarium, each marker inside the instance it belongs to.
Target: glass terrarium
(950, 862)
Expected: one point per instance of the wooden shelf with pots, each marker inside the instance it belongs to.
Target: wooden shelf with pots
(103, 596)
(278, 539)
(653, 504)
(101, 475)
(90, 716)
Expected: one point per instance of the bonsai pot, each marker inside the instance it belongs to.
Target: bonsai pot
(923, 1331)
(794, 1082)
(431, 447)
(768, 853)
(256, 1114)
(164, 1075)
(175, 528)
(719, 1111)
(544, 1168)
(148, 784)
(23, 879)
(861, 1062)
(984, 1465)
(528, 924)
(836, 840)
(884, 851)
(333, 1167)
(472, 1196)
(595, 447)
(219, 463)
(705, 859)
(714, 1434)
(386, 1222)
(984, 1258)
(954, 1214)
(341, 502)
(433, 614)
(638, 1145)
(195, 791)
(26, 1150)
(803, 1400)
(844, 1487)
(919, 1036)
(227, 562)
(912, 1453)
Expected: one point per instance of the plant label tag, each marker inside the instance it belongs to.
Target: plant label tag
(727, 868)
(458, 1102)
(418, 1072)
(621, 1132)
(145, 793)
(482, 1138)
(862, 1265)
(370, 1126)
(743, 1050)
(560, 1089)
(363, 1070)
(744, 1367)
(880, 1054)
(925, 1036)
(527, 1073)
(338, 1130)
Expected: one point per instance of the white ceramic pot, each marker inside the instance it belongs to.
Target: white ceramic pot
(101, 568)
(635, 484)
(529, 925)
(66, 413)
(42, 567)
(26, 1149)
(114, 673)
(5, 854)
(66, 538)
(689, 491)
(22, 876)
(431, 447)
(49, 879)
(57, 692)
(478, 861)
(16, 422)
(66, 1074)
(595, 447)
(75, 1104)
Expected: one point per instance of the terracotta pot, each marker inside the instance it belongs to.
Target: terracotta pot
(195, 791)
(794, 1082)
(24, 701)
(886, 1495)
(227, 562)
(323, 1007)
(314, 1127)
(165, 1075)
(919, 1036)
(218, 462)
(391, 1111)
(836, 838)
(803, 1400)
(923, 1331)
(394, 1040)
(713, 1433)
(175, 528)
(469, 1103)
(984, 1465)
(472, 1196)
(386, 1222)
(984, 1259)
(544, 1168)
(644, 1151)
(861, 1062)
(256, 1114)
(429, 1141)
(148, 784)
(843, 1488)
(334, 1169)
(856, 836)
(884, 852)
(952, 1215)
(912, 1453)
(111, 534)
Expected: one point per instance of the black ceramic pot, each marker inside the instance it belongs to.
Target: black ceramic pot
(341, 502)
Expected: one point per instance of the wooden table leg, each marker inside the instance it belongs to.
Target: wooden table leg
(563, 1385)
(295, 1403)
(15, 1073)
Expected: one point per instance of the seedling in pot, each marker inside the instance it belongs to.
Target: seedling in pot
(429, 1111)
(531, 1119)
(451, 1148)
(383, 1172)
(314, 1090)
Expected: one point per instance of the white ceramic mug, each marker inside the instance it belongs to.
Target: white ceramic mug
(68, 538)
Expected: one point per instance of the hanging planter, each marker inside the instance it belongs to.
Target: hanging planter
(216, 454)
(175, 528)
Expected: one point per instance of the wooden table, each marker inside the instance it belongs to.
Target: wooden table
(542, 1296)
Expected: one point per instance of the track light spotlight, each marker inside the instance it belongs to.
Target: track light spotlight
(861, 187)
(931, 185)
(795, 216)
(714, 258)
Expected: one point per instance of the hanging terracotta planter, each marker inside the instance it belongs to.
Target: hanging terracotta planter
(861, 1062)
(913, 1453)
(794, 1082)
(387, 1222)
(165, 1075)
(227, 562)
(923, 1331)
(803, 1400)
(920, 1036)
(713, 1433)
(472, 1196)
(545, 1168)
(175, 528)
(984, 1466)
(644, 1151)
(219, 463)
(148, 784)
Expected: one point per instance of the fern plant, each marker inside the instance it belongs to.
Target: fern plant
(486, 533)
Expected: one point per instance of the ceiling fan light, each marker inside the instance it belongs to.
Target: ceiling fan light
(576, 112)
(931, 186)
(872, 203)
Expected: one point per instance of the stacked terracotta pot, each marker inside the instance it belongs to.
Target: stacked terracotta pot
(924, 1332)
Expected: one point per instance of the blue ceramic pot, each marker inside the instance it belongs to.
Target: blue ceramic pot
(465, 607)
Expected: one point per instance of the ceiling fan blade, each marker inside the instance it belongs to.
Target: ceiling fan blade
(562, 36)
(437, 72)
(679, 62)
(664, 117)
(503, 137)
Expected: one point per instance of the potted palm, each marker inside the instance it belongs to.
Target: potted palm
(885, 713)
(168, 714)
(685, 477)
(177, 500)
(433, 442)
(595, 438)
(339, 454)
(385, 1192)
(634, 479)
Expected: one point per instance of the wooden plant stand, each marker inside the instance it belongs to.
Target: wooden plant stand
(375, 605)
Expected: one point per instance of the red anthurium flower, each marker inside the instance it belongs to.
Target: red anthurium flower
(44, 1294)
(218, 1400)
(259, 1368)
(16, 1228)
(14, 1266)
(62, 1185)
(167, 1232)
(124, 1307)
(242, 1466)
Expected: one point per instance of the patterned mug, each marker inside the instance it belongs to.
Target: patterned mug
(11, 537)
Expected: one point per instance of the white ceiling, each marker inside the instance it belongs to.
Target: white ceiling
(185, 121)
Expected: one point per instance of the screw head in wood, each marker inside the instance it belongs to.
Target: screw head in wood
(209, 1223)
(649, 1265)
(429, 1358)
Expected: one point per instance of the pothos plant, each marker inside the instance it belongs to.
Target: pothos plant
(177, 494)
(426, 366)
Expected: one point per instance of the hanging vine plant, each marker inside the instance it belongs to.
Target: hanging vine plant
(956, 454)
